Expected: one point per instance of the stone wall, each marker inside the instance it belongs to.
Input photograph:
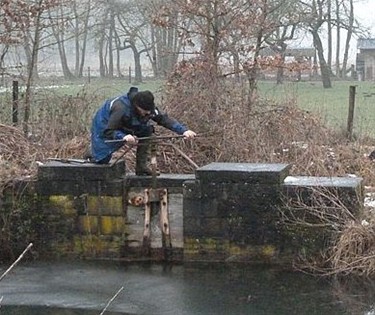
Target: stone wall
(223, 212)
(233, 212)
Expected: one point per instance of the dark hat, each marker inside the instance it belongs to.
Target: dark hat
(144, 100)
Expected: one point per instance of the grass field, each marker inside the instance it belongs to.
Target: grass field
(331, 104)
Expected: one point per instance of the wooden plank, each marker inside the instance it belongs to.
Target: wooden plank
(146, 245)
(164, 224)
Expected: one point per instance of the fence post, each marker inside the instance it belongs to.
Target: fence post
(15, 103)
(351, 112)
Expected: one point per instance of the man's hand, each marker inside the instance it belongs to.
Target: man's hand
(130, 139)
(189, 134)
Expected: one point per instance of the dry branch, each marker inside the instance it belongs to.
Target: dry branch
(16, 262)
(111, 300)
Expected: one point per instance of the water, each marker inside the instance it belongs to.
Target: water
(85, 288)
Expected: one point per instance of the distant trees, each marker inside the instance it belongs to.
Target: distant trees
(162, 32)
(23, 24)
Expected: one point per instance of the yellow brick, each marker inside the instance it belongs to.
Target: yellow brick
(93, 205)
(88, 224)
(111, 205)
(89, 245)
(110, 225)
(65, 203)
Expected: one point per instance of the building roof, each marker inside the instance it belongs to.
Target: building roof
(366, 43)
(292, 52)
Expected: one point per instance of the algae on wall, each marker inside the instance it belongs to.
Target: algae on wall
(22, 221)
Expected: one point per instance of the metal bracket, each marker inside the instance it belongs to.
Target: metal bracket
(156, 199)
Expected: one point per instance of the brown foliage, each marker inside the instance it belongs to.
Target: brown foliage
(17, 155)
(232, 128)
(354, 251)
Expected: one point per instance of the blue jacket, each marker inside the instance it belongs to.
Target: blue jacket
(129, 123)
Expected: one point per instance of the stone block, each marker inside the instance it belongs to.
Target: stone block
(207, 227)
(110, 225)
(191, 189)
(94, 246)
(162, 181)
(243, 172)
(192, 227)
(205, 249)
(79, 187)
(88, 224)
(219, 249)
(192, 207)
(228, 208)
(308, 190)
(314, 203)
(204, 207)
(248, 192)
(68, 171)
(105, 205)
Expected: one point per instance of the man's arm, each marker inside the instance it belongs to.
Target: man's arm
(115, 126)
(172, 124)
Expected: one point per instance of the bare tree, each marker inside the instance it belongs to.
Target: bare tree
(233, 30)
(166, 43)
(58, 18)
(23, 23)
(350, 28)
(278, 43)
(82, 13)
(315, 18)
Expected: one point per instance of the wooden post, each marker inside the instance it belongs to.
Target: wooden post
(351, 112)
(164, 224)
(146, 244)
(15, 103)
(89, 74)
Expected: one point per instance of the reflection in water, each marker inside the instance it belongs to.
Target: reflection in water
(190, 289)
(357, 294)
(42, 310)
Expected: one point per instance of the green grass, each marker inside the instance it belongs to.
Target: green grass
(47, 93)
(100, 87)
(331, 104)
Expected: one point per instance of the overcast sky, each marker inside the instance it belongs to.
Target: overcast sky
(364, 11)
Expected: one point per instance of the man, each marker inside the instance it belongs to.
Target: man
(125, 118)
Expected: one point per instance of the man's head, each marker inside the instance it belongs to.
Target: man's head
(144, 103)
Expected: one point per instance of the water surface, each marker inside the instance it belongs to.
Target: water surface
(194, 289)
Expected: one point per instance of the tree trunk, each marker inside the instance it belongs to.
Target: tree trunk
(280, 67)
(31, 67)
(338, 40)
(252, 74)
(60, 40)
(348, 38)
(324, 69)
(28, 47)
(137, 66)
(101, 56)
(329, 34)
(110, 44)
(80, 62)
(64, 61)
(153, 58)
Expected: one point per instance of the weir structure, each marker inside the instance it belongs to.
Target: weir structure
(224, 212)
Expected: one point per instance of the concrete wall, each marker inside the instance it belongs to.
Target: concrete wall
(223, 212)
